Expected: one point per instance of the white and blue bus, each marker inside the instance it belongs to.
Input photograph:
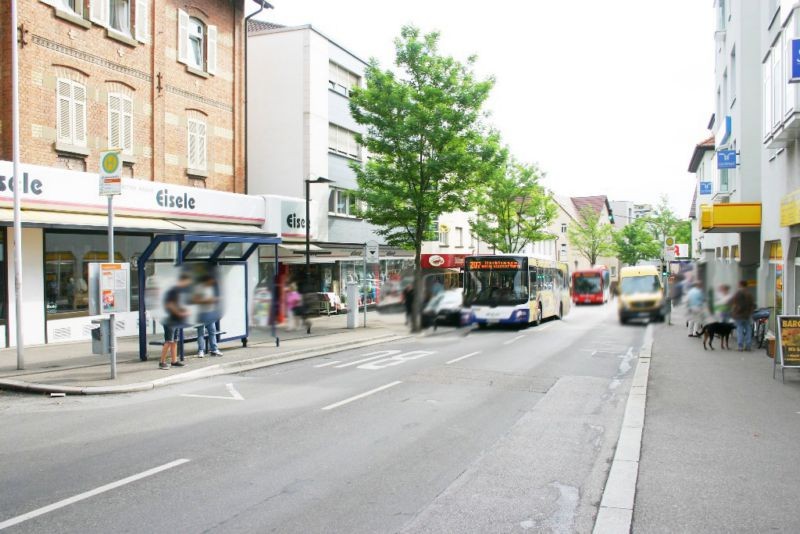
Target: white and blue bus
(514, 290)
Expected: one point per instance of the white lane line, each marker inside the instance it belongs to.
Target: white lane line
(362, 395)
(91, 493)
(373, 356)
(512, 340)
(235, 395)
(334, 362)
(545, 327)
(470, 355)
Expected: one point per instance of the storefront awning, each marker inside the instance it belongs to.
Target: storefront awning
(90, 221)
(730, 218)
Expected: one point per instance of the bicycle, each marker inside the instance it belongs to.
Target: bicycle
(760, 318)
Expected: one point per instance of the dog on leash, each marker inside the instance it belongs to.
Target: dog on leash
(721, 330)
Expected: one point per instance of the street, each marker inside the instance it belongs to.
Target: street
(486, 431)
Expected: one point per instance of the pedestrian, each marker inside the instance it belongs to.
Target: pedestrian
(742, 307)
(696, 305)
(207, 298)
(293, 304)
(722, 303)
(408, 302)
(177, 314)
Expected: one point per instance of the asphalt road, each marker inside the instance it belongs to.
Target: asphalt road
(485, 431)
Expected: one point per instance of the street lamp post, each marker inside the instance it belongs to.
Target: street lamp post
(319, 180)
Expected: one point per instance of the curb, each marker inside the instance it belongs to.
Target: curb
(616, 506)
(206, 372)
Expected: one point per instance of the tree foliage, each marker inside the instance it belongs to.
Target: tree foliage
(425, 138)
(591, 236)
(635, 243)
(683, 232)
(513, 209)
(662, 222)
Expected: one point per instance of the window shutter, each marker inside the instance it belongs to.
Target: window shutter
(143, 21)
(127, 125)
(79, 113)
(98, 12)
(192, 145)
(183, 36)
(114, 122)
(63, 105)
(201, 145)
(211, 53)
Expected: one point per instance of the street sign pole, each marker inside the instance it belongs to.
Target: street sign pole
(365, 285)
(110, 185)
(17, 185)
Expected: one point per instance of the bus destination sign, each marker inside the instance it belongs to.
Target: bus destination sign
(488, 264)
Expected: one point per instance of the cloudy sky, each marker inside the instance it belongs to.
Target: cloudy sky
(607, 97)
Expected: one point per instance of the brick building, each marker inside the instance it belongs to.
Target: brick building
(161, 79)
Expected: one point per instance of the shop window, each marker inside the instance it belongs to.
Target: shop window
(735, 252)
(197, 43)
(120, 122)
(71, 112)
(67, 256)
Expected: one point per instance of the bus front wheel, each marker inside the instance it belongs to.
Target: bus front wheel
(538, 320)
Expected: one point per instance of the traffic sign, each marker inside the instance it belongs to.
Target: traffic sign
(110, 173)
(373, 253)
(669, 241)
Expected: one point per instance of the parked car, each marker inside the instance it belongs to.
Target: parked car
(444, 309)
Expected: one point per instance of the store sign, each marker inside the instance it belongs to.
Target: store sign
(442, 261)
(705, 188)
(290, 216)
(489, 264)
(795, 61)
(726, 159)
(790, 208)
(789, 336)
(46, 188)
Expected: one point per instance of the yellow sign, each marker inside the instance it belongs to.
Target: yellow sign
(669, 241)
(790, 208)
(789, 335)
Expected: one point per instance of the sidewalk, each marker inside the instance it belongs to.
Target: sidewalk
(721, 440)
(71, 367)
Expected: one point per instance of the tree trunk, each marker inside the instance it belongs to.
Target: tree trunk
(416, 306)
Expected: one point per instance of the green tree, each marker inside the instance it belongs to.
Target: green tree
(683, 232)
(662, 222)
(635, 243)
(426, 141)
(513, 208)
(591, 236)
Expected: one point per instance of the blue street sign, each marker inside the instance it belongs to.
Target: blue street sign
(795, 61)
(705, 188)
(726, 159)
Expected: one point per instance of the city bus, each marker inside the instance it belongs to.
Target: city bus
(591, 286)
(514, 290)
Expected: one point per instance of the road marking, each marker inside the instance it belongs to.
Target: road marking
(334, 362)
(372, 356)
(470, 355)
(91, 493)
(545, 327)
(362, 395)
(396, 360)
(512, 340)
(235, 395)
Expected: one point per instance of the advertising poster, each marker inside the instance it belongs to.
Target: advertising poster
(789, 335)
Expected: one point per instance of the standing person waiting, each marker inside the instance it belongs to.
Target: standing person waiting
(207, 298)
(294, 304)
(175, 320)
(742, 308)
(696, 305)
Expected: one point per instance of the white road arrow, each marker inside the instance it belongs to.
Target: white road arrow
(235, 395)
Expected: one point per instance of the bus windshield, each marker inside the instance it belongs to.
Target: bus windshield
(640, 284)
(587, 284)
(496, 287)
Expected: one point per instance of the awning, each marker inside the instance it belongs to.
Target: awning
(91, 221)
(730, 218)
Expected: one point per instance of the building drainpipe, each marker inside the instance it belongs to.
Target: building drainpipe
(264, 5)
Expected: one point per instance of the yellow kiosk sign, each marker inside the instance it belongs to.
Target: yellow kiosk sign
(110, 173)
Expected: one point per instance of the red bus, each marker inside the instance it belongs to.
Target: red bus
(591, 286)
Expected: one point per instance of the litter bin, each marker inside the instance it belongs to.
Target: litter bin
(101, 336)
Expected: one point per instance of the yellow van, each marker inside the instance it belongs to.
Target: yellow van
(641, 294)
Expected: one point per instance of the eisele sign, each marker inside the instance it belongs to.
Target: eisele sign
(291, 212)
(46, 188)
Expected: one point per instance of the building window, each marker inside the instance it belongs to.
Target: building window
(120, 122)
(722, 15)
(459, 236)
(341, 80)
(116, 15)
(119, 16)
(197, 43)
(444, 235)
(342, 202)
(732, 80)
(196, 145)
(766, 111)
(563, 228)
(563, 251)
(342, 141)
(67, 256)
(71, 112)
(724, 182)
